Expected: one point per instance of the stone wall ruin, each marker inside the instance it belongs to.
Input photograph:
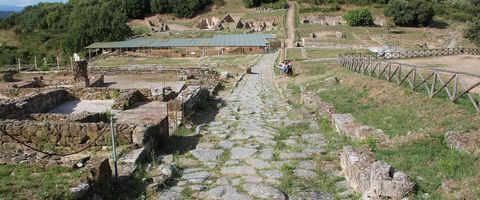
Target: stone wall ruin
(374, 179)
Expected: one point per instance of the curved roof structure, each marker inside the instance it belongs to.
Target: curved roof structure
(237, 40)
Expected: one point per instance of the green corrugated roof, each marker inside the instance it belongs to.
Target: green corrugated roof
(216, 41)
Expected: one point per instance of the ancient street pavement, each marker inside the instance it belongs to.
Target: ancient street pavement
(239, 157)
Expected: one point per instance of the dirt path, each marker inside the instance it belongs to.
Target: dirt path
(241, 155)
(291, 25)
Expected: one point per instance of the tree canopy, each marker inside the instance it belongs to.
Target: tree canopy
(410, 13)
(359, 17)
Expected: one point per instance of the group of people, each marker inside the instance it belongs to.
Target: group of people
(287, 68)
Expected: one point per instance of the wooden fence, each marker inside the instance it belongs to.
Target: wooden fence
(413, 53)
(455, 84)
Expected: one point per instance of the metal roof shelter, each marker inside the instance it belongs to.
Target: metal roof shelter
(237, 40)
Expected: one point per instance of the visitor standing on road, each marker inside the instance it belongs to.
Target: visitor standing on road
(283, 68)
(290, 68)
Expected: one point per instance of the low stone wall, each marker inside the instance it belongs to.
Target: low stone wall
(34, 83)
(35, 103)
(197, 72)
(374, 179)
(312, 101)
(76, 134)
(128, 99)
(188, 100)
(84, 117)
(464, 142)
(348, 125)
(83, 93)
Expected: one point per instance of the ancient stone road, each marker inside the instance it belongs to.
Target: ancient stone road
(237, 159)
(290, 41)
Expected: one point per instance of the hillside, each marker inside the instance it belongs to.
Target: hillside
(5, 14)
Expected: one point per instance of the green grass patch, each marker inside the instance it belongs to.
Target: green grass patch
(139, 29)
(287, 131)
(294, 54)
(22, 181)
(429, 162)
(325, 182)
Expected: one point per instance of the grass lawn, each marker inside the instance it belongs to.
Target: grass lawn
(139, 29)
(397, 111)
(22, 181)
(294, 54)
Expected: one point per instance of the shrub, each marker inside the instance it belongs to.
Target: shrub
(410, 13)
(359, 17)
(473, 33)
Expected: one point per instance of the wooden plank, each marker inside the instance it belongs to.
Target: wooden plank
(445, 85)
(432, 92)
(467, 90)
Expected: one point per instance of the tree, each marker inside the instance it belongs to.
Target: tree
(473, 33)
(359, 17)
(423, 11)
(161, 6)
(136, 8)
(96, 23)
(410, 13)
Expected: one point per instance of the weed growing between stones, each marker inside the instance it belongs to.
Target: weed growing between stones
(288, 183)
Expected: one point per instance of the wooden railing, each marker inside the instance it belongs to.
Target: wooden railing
(413, 53)
(455, 84)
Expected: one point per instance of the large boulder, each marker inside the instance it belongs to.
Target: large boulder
(356, 165)
(386, 182)
(100, 175)
(464, 142)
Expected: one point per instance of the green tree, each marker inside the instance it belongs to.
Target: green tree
(161, 6)
(359, 17)
(410, 13)
(136, 8)
(96, 23)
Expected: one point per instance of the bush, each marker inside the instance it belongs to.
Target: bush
(359, 17)
(410, 13)
(473, 33)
